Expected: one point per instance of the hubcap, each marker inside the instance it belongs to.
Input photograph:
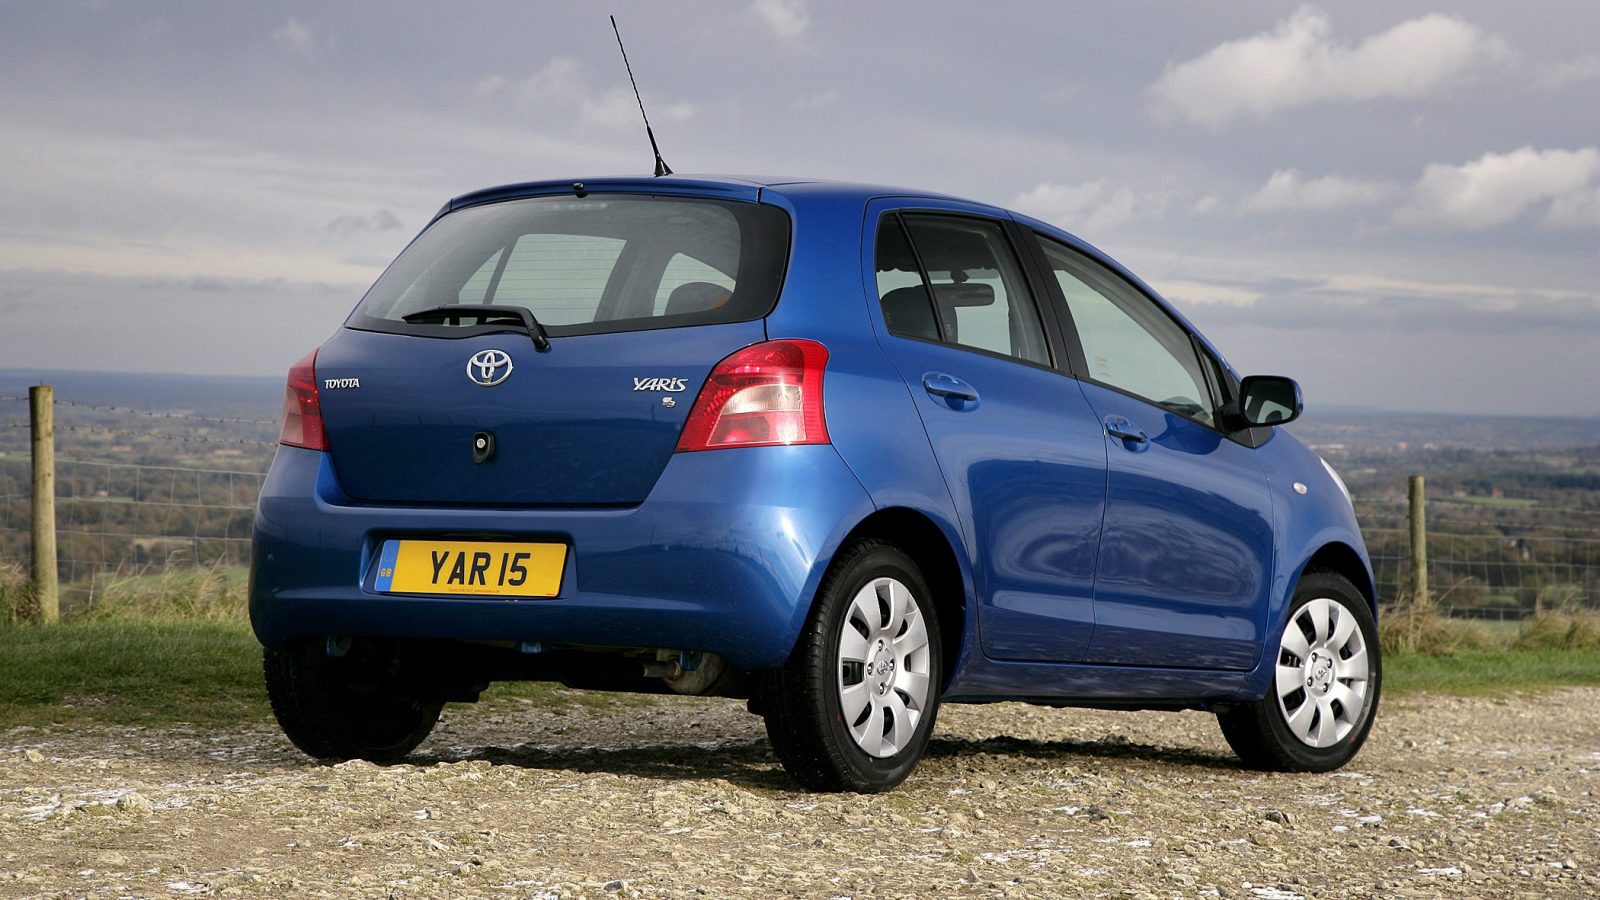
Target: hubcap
(1323, 673)
(884, 667)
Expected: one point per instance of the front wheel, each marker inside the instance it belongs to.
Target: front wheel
(854, 706)
(1327, 673)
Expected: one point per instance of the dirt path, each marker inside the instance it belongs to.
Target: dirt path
(681, 797)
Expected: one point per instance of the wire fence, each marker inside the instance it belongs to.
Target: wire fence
(121, 520)
(1489, 562)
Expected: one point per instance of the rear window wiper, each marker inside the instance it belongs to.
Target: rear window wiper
(491, 314)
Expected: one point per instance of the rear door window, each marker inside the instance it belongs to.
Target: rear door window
(969, 289)
(602, 263)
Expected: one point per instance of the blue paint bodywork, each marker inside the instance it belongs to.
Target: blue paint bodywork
(1093, 571)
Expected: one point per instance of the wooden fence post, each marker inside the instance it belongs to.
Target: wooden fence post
(42, 419)
(1419, 544)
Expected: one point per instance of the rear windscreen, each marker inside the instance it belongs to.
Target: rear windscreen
(602, 263)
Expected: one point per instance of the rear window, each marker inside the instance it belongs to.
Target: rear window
(602, 263)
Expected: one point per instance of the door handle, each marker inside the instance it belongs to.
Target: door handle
(949, 387)
(1120, 427)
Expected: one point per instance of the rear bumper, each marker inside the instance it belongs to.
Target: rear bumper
(723, 557)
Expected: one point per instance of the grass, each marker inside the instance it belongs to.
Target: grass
(130, 673)
(1489, 672)
(1498, 502)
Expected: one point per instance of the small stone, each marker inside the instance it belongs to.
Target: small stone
(32, 755)
(1278, 817)
(134, 802)
(614, 886)
(977, 813)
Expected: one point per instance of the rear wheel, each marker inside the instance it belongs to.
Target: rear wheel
(1326, 680)
(345, 707)
(854, 706)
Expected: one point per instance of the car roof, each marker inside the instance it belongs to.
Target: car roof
(748, 187)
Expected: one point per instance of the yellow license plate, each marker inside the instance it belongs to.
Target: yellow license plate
(472, 568)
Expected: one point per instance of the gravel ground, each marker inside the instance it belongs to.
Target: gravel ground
(681, 797)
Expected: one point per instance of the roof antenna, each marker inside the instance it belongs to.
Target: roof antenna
(661, 164)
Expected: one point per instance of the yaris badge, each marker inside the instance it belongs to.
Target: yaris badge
(488, 368)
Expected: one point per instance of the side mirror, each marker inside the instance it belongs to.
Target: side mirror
(1269, 400)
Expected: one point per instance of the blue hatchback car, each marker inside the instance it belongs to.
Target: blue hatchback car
(847, 451)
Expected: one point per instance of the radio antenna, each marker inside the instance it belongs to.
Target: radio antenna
(661, 164)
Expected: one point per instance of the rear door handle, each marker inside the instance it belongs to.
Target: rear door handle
(1120, 427)
(949, 387)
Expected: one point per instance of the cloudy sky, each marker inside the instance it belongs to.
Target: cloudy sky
(1396, 202)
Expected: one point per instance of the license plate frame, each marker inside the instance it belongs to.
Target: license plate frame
(499, 570)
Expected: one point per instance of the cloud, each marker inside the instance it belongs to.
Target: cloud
(1289, 190)
(563, 85)
(296, 36)
(1366, 303)
(817, 101)
(1090, 205)
(1498, 188)
(1298, 64)
(788, 19)
(1203, 293)
(377, 223)
(1555, 76)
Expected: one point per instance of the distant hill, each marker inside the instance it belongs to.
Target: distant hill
(256, 397)
(1362, 430)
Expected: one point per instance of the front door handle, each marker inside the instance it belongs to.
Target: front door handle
(1120, 427)
(949, 387)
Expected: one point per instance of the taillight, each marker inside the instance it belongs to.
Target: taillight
(765, 394)
(302, 407)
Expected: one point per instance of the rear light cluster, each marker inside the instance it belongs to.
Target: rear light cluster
(302, 408)
(765, 394)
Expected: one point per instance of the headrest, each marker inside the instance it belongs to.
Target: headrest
(696, 296)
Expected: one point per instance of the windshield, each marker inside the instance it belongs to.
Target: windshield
(602, 263)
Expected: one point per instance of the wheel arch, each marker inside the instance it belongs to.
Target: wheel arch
(1341, 559)
(931, 548)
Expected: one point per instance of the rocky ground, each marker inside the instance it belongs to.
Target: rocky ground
(681, 797)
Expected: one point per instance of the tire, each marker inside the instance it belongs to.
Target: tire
(1328, 674)
(854, 706)
(345, 707)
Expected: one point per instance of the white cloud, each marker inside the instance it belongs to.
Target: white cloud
(1090, 205)
(380, 221)
(1555, 76)
(1497, 188)
(1289, 190)
(817, 101)
(788, 19)
(1578, 209)
(1205, 293)
(560, 77)
(1298, 63)
(562, 84)
(297, 36)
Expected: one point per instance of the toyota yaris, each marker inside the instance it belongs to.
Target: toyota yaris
(849, 452)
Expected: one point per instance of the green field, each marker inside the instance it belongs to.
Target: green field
(149, 673)
(1497, 502)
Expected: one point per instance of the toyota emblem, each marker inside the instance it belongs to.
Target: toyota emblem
(488, 368)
